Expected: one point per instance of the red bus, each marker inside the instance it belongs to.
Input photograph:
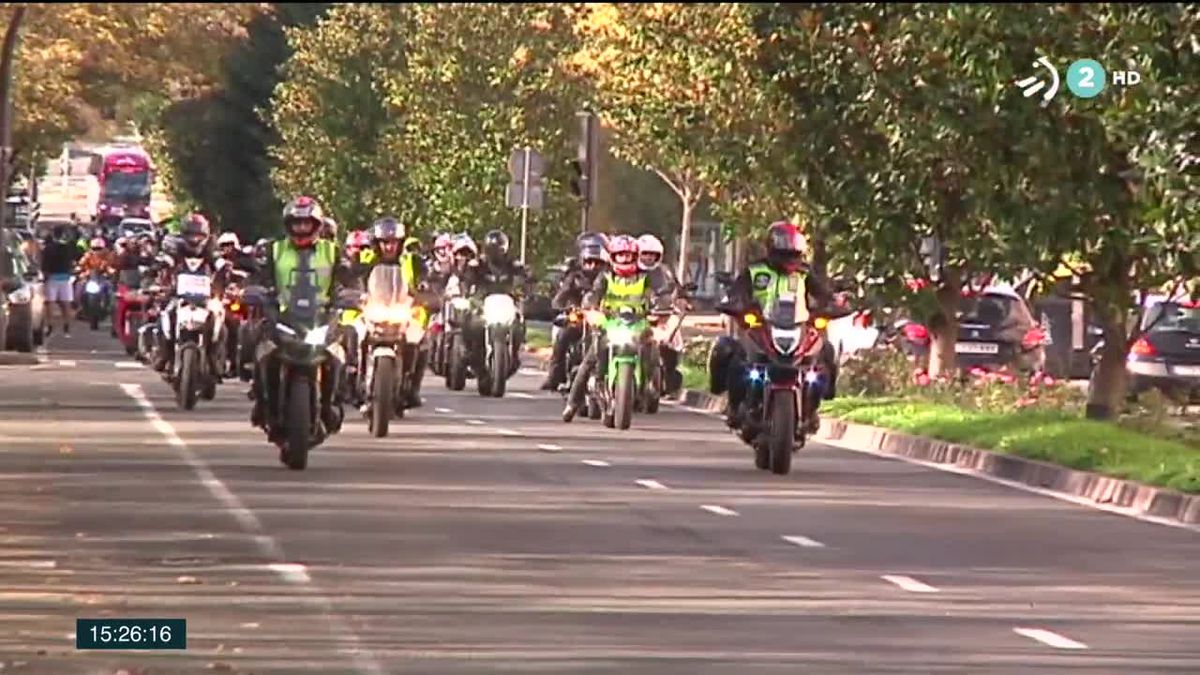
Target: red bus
(125, 175)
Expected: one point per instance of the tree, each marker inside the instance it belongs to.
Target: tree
(673, 82)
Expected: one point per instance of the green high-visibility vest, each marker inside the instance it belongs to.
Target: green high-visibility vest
(289, 259)
(621, 292)
(768, 286)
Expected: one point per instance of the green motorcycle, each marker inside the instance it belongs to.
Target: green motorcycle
(624, 375)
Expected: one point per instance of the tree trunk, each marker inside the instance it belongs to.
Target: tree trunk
(1107, 391)
(943, 329)
(685, 233)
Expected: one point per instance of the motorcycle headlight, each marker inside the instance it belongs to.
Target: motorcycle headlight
(461, 304)
(620, 337)
(316, 337)
(92, 287)
(379, 313)
(20, 296)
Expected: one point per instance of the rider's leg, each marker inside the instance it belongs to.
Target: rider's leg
(418, 375)
(735, 387)
(558, 358)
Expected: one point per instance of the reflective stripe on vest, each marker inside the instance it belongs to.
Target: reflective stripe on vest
(408, 268)
(621, 292)
(769, 286)
(289, 259)
(366, 256)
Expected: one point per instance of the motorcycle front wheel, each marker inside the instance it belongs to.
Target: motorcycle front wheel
(499, 365)
(382, 390)
(189, 365)
(298, 421)
(781, 433)
(623, 396)
(456, 369)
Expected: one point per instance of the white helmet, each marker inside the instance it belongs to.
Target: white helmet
(228, 238)
(648, 243)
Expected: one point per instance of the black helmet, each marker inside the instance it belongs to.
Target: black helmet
(591, 238)
(495, 244)
(387, 228)
(194, 233)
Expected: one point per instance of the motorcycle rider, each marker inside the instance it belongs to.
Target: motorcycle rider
(664, 283)
(495, 272)
(387, 235)
(356, 242)
(193, 241)
(757, 287)
(329, 229)
(580, 278)
(301, 247)
(624, 284)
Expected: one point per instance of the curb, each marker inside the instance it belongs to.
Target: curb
(1129, 497)
(18, 359)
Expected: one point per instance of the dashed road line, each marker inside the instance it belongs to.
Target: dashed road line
(510, 433)
(718, 510)
(651, 484)
(802, 541)
(67, 364)
(909, 584)
(530, 371)
(549, 447)
(476, 423)
(521, 394)
(1049, 638)
(596, 462)
(128, 364)
(443, 411)
(267, 544)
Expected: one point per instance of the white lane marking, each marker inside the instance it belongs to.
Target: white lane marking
(549, 447)
(650, 484)
(1049, 638)
(476, 423)
(251, 624)
(67, 364)
(962, 471)
(802, 541)
(34, 564)
(596, 462)
(718, 510)
(443, 411)
(530, 371)
(127, 364)
(909, 584)
(521, 394)
(293, 572)
(267, 545)
(509, 432)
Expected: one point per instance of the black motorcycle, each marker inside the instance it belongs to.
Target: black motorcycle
(304, 339)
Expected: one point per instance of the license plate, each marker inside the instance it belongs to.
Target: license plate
(977, 348)
(1187, 371)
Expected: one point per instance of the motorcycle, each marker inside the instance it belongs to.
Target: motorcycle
(147, 339)
(95, 299)
(199, 325)
(497, 357)
(785, 377)
(133, 299)
(306, 341)
(455, 364)
(395, 328)
(236, 315)
(613, 391)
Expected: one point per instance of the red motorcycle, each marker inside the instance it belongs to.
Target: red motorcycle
(130, 310)
(237, 314)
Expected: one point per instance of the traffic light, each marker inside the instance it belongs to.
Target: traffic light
(579, 179)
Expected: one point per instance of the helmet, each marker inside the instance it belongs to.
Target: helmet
(386, 235)
(229, 239)
(302, 219)
(650, 252)
(787, 247)
(464, 244)
(260, 247)
(121, 242)
(586, 238)
(443, 246)
(98, 243)
(357, 240)
(593, 257)
(495, 244)
(194, 232)
(623, 254)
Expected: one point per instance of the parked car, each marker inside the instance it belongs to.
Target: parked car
(996, 329)
(26, 303)
(1166, 356)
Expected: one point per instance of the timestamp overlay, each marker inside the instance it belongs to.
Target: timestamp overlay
(131, 634)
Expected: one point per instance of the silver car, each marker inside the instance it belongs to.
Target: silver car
(25, 306)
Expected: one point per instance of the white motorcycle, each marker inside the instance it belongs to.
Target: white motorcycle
(500, 344)
(199, 321)
(395, 327)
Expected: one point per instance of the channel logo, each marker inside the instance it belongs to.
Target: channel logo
(1033, 84)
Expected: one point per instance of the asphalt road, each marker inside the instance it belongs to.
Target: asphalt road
(487, 536)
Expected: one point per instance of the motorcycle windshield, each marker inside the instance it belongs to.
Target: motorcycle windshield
(785, 315)
(386, 287)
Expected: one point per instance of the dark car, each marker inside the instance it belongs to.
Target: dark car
(1167, 355)
(996, 329)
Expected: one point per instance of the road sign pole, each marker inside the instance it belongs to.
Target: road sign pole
(525, 204)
